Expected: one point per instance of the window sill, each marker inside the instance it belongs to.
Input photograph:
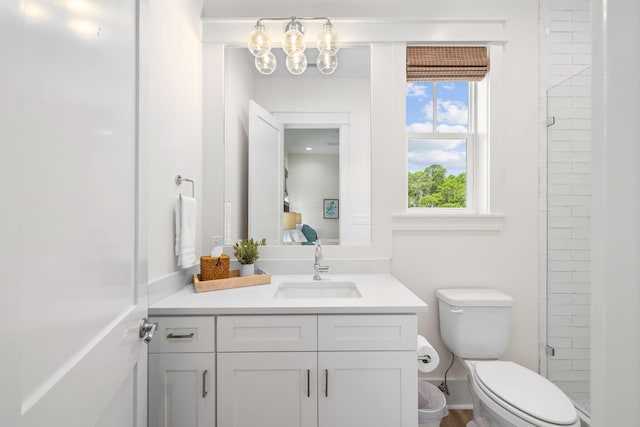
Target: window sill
(455, 221)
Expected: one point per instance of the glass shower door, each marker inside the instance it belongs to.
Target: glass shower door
(568, 237)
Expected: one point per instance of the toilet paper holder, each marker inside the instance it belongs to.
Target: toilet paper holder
(425, 359)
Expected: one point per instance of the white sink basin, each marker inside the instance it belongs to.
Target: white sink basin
(318, 289)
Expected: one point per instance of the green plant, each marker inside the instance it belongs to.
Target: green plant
(246, 251)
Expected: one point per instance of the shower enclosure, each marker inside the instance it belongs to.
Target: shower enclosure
(568, 230)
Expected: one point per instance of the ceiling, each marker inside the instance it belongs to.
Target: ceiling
(321, 141)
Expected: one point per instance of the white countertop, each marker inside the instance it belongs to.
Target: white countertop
(381, 293)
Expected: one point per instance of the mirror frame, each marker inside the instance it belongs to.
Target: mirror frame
(304, 120)
(351, 232)
(387, 39)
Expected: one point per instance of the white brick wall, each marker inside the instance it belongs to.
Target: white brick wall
(565, 73)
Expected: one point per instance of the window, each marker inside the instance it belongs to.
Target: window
(440, 143)
(441, 100)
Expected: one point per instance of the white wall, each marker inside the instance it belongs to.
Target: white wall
(504, 259)
(312, 178)
(175, 116)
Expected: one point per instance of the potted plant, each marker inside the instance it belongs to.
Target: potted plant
(246, 252)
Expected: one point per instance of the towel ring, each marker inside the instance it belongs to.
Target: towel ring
(179, 180)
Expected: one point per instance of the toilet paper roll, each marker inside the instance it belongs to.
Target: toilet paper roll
(428, 358)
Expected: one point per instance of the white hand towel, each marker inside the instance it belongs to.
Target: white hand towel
(186, 231)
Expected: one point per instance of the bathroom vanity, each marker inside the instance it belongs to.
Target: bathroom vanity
(297, 352)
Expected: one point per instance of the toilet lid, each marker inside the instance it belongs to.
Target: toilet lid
(527, 391)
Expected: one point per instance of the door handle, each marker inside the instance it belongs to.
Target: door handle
(146, 330)
(172, 336)
(326, 383)
(308, 382)
(204, 384)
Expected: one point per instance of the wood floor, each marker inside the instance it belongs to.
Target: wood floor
(457, 418)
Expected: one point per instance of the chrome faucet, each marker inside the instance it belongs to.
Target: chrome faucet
(317, 268)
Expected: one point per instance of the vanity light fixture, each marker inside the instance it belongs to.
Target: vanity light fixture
(293, 44)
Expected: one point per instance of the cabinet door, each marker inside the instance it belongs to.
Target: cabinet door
(373, 389)
(182, 390)
(267, 389)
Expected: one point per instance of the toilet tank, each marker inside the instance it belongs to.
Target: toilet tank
(475, 323)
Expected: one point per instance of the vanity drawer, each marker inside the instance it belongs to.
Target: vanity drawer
(267, 333)
(367, 332)
(184, 335)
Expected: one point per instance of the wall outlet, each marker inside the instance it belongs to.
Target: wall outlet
(362, 219)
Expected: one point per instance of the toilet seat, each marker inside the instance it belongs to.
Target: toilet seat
(523, 393)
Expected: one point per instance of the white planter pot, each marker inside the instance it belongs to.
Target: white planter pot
(247, 269)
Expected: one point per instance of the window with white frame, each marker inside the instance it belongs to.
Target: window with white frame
(441, 131)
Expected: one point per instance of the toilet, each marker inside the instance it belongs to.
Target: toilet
(474, 325)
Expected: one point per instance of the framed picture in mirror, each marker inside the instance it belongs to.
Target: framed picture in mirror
(331, 209)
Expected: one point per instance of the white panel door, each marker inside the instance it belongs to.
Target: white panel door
(83, 241)
(267, 389)
(266, 174)
(11, 195)
(182, 390)
(373, 389)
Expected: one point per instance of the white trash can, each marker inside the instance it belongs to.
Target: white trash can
(432, 405)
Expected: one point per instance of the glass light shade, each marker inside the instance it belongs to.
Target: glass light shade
(297, 63)
(293, 39)
(328, 41)
(326, 63)
(266, 64)
(259, 43)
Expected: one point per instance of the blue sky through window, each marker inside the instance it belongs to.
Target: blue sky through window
(452, 116)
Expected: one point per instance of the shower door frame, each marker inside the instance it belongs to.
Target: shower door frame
(547, 351)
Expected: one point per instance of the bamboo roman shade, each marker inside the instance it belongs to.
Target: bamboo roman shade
(446, 63)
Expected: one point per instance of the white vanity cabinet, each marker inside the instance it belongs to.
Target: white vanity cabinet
(317, 370)
(182, 376)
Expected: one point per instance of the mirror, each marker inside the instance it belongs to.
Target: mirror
(270, 174)
(312, 173)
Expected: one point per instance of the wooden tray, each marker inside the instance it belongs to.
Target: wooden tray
(234, 281)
